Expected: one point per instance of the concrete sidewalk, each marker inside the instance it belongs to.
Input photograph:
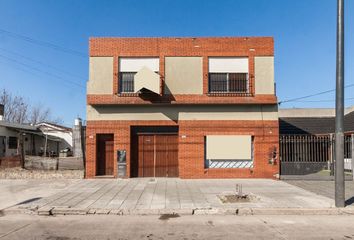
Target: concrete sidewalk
(165, 195)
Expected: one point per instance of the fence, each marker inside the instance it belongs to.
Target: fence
(47, 163)
(308, 154)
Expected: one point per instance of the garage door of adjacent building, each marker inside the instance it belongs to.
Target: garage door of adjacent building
(158, 155)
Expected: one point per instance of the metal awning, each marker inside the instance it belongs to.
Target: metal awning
(49, 137)
(147, 79)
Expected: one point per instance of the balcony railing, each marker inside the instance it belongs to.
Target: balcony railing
(220, 84)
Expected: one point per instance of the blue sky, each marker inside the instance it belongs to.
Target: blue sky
(304, 33)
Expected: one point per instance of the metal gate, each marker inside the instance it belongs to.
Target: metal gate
(311, 155)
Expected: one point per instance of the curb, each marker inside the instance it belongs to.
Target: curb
(201, 211)
(50, 211)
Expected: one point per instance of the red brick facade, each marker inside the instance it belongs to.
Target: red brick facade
(191, 147)
(191, 134)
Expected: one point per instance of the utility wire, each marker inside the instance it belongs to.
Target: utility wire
(312, 95)
(39, 70)
(325, 100)
(42, 43)
(26, 70)
(42, 63)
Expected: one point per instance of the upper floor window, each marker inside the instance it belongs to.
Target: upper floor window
(128, 67)
(228, 75)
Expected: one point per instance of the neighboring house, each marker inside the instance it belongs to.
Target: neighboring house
(307, 137)
(313, 121)
(182, 107)
(11, 135)
(58, 131)
(44, 137)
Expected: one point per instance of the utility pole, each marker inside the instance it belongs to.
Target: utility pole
(339, 138)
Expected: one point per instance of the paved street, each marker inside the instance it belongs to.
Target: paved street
(184, 227)
(325, 188)
(145, 195)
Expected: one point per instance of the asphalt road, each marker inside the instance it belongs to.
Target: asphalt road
(325, 188)
(15, 191)
(184, 227)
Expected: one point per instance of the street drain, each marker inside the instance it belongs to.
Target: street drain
(152, 180)
(168, 216)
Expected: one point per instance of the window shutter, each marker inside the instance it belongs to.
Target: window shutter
(228, 65)
(229, 147)
(136, 64)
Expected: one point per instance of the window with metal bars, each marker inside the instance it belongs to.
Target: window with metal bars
(228, 83)
(126, 82)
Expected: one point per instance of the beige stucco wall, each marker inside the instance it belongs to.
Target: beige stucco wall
(184, 75)
(100, 75)
(207, 112)
(264, 75)
(306, 112)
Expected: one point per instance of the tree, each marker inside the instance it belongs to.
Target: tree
(38, 114)
(18, 110)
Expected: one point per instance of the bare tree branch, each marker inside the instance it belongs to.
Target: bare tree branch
(18, 110)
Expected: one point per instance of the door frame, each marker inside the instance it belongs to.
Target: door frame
(3, 143)
(135, 131)
(101, 155)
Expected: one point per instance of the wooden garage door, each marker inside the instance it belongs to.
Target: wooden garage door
(158, 155)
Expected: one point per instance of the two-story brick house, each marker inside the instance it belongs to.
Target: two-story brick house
(182, 107)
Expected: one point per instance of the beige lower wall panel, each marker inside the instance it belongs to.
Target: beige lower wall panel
(269, 112)
(229, 147)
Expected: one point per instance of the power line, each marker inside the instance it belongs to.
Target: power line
(39, 70)
(325, 100)
(312, 95)
(19, 68)
(41, 63)
(43, 43)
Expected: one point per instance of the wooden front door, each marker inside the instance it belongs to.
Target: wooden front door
(105, 155)
(109, 158)
(158, 155)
